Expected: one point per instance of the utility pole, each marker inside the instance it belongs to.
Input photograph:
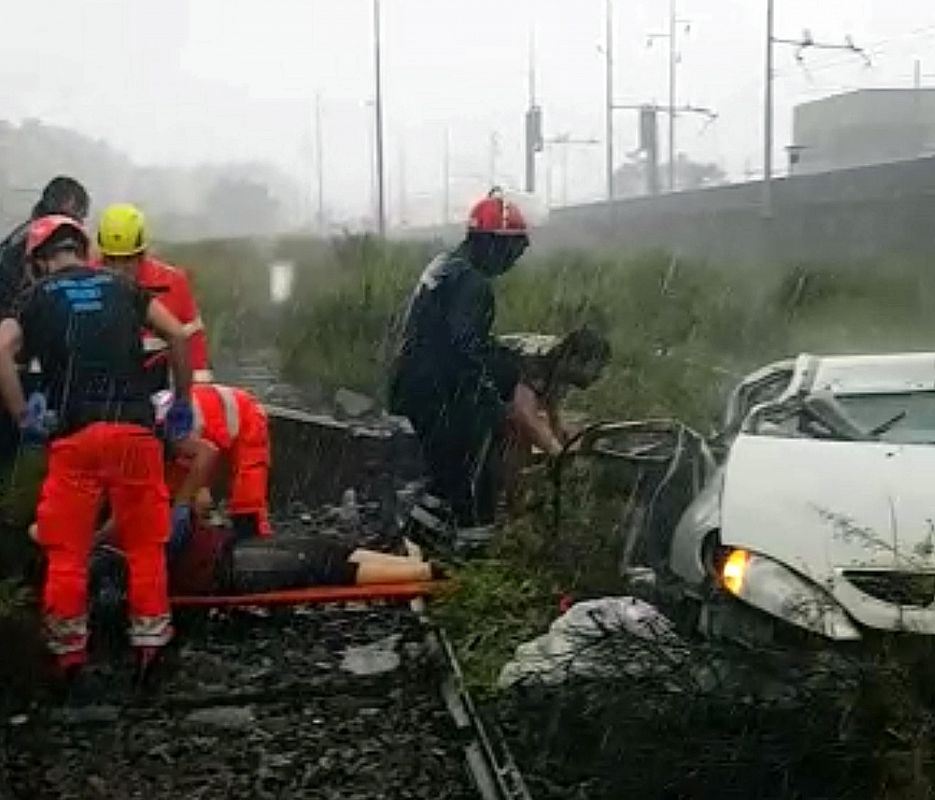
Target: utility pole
(378, 121)
(320, 163)
(672, 110)
(917, 75)
(648, 144)
(533, 138)
(609, 96)
(673, 59)
(767, 201)
(801, 45)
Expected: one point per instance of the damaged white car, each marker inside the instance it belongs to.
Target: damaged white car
(822, 512)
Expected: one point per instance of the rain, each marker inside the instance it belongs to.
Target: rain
(419, 399)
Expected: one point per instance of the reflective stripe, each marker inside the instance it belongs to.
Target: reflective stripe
(153, 344)
(151, 631)
(202, 376)
(231, 412)
(66, 635)
(193, 327)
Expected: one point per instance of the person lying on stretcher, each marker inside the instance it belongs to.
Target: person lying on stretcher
(207, 558)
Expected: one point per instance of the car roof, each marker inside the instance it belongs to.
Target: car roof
(866, 374)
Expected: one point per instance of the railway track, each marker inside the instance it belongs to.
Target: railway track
(340, 701)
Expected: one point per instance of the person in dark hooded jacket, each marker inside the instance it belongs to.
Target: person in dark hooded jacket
(22, 468)
(451, 378)
(62, 195)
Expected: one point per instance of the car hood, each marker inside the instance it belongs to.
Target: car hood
(836, 512)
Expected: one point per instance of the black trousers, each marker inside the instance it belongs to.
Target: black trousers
(460, 441)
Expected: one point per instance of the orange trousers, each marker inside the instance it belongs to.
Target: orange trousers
(125, 463)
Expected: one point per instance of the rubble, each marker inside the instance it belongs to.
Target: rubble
(260, 709)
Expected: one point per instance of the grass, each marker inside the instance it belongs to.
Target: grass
(682, 332)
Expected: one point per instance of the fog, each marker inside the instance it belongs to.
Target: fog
(182, 83)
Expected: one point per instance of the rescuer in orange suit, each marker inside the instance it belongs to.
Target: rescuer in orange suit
(82, 325)
(123, 241)
(206, 558)
(229, 426)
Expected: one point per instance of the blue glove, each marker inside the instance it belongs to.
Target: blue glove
(34, 426)
(180, 419)
(181, 528)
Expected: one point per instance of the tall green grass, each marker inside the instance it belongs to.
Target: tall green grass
(682, 331)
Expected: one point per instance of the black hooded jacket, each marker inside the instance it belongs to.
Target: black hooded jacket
(13, 259)
(446, 348)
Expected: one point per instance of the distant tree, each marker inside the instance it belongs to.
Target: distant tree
(630, 177)
(696, 175)
(240, 207)
(182, 203)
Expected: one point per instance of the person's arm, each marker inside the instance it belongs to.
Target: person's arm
(525, 414)
(12, 267)
(203, 456)
(470, 318)
(190, 317)
(11, 390)
(166, 325)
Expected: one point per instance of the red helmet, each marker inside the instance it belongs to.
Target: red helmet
(495, 214)
(44, 228)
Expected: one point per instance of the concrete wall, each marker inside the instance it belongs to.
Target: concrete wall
(876, 212)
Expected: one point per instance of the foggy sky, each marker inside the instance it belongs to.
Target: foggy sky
(183, 81)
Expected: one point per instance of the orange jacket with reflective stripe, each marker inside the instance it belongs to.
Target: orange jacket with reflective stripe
(219, 413)
(170, 285)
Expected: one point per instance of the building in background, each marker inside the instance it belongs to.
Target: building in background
(868, 126)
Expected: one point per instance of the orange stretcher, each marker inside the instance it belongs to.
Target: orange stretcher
(315, 595)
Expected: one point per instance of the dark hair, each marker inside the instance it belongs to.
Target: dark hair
(586, 344)
(63, 195)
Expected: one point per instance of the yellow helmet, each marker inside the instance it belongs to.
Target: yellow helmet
(122, 231)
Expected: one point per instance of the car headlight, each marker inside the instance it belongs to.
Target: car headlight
(734, 571)
(783, 593)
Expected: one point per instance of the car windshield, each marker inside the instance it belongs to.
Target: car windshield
(909, 417)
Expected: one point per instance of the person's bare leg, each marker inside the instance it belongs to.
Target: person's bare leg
(373, 567)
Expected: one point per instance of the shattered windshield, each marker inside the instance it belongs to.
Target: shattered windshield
(908, 418)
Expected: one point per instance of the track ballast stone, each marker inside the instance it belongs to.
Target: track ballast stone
(260, 708)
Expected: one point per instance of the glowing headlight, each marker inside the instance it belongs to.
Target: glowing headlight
(734, 570)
